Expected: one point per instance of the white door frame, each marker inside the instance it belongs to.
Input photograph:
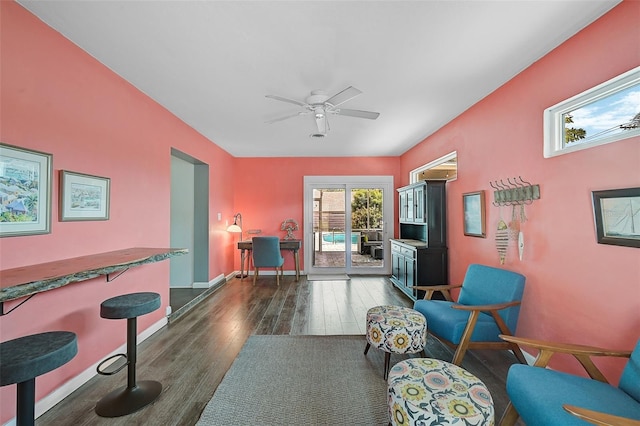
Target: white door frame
(348, 183)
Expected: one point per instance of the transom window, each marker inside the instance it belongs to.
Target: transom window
(606, 113)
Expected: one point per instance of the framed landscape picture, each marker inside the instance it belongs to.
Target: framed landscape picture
(473, 214)
(25, 191)
(617, 216)
(83, 197)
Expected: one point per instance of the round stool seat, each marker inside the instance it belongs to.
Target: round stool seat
(396, 329)
(429, 391)
(129, 305)
(27, 357)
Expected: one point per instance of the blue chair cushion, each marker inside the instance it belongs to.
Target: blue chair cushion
(449, 323)
(486, 285)
(266, 252)
(539, 393)
(630, 379)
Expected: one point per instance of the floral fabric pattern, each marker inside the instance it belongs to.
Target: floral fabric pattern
(396, 329)
(425, 391)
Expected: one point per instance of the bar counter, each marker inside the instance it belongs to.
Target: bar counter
(29, 280)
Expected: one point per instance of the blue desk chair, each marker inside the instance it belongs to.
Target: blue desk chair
(488, 305)
(541, 396)
(266, 254)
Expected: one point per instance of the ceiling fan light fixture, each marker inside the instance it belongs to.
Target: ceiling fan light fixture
(321, 105)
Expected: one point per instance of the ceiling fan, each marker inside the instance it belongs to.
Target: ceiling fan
(320, 105)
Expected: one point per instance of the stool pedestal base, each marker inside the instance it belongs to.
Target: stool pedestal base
(121, 402)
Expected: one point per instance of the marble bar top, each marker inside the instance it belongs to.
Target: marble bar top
(27, 280)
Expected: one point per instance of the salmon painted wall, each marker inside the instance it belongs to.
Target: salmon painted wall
(270, 190)
(57, 99)
(577, 290)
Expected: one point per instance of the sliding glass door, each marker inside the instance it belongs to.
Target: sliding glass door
(346, 220)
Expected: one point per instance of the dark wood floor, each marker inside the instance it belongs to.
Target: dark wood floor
(191, 355)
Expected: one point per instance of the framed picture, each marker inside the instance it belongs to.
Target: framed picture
(25, 191)
(83, 197)
(473, 214)
(617, 216)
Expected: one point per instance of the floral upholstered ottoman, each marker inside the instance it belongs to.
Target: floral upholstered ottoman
(425, 391)
(395, 329)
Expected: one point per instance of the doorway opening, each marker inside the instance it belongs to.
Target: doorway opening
(444, 168)
(189, 274)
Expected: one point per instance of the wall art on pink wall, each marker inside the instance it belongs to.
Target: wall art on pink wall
(617, 216)
(25, 191)
(473, 206)
(83, 197)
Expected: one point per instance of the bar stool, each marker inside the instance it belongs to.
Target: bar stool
(134, 396)
(25, 358)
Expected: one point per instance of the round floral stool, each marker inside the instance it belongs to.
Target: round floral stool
(395, 329)
(425, 391)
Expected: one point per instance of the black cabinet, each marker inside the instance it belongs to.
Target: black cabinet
(423, 213)
(414, 264)
(419, 256)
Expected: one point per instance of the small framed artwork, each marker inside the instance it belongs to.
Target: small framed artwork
(83, 197)
(25, 191)
(617, 216)
(474, 214)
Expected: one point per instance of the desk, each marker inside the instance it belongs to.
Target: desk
(290, 245)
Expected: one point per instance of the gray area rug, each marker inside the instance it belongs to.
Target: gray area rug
(301, 380)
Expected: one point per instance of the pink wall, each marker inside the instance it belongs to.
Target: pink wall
(57, 99)
(270, 190)
(577, 290)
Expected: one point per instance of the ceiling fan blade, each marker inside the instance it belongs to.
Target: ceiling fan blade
(342, 97)
(357, 113)
(291, 101)
(275, 120)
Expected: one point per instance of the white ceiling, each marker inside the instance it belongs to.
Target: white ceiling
(418, 63)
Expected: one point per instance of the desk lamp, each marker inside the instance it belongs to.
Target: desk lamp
(236, 227)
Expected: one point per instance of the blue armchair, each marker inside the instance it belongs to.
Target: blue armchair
(488, 305)
(541, 396)
(266, 254)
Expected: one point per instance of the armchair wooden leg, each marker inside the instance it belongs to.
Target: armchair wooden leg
(505, 330)
(255, 275)
(510, 416)
(278, 276)
(466, 338)
(518, 353)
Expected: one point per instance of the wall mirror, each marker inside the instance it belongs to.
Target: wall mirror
(603, 114)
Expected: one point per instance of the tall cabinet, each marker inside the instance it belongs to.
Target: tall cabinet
(419, 255)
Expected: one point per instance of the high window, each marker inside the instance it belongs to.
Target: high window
(606, 113)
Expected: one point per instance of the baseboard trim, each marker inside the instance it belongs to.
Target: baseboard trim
(210, 283)
(50, 400)
(273, 272)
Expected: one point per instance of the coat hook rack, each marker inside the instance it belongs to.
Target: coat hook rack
(516, 193)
